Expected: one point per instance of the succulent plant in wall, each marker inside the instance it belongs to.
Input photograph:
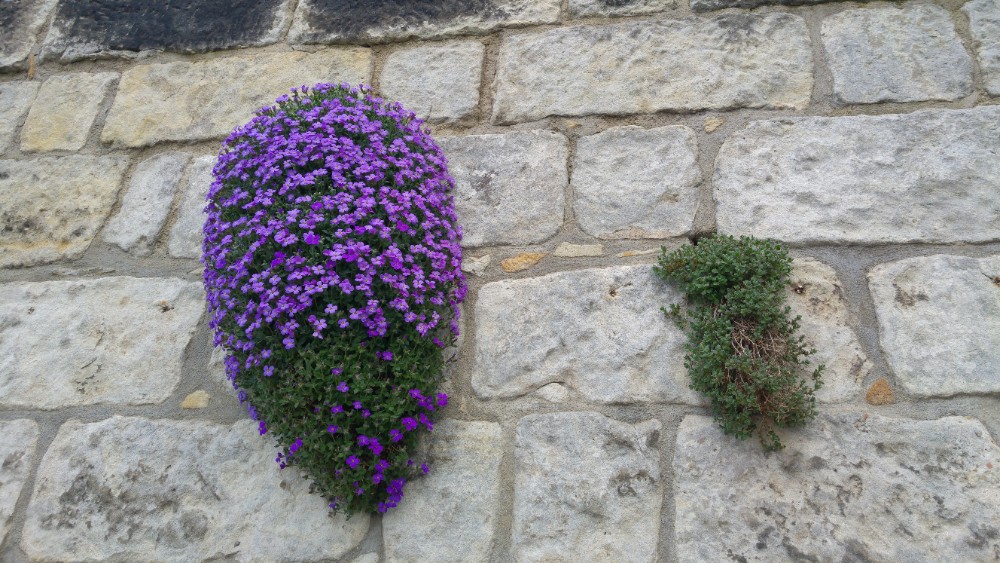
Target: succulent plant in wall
(333, 276)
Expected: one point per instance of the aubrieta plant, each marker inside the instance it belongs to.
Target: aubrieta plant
(333, 278)
(742, 349)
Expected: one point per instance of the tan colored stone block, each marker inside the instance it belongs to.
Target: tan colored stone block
(64, 111)
(15, 99)
(521, 262)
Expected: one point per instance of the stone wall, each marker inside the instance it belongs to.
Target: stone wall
(584, 135)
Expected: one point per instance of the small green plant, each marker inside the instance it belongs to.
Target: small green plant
(742, 349)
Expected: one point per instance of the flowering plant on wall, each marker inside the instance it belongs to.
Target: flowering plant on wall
(333, 279)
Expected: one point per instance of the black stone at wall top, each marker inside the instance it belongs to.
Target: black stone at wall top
(351, 20)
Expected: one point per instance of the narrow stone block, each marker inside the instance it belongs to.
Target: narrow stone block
(15, 100)
(587, 8)
(187, 233)
(984, 23)
(147, 203)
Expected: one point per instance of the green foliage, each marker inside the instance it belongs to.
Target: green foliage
(742, 349)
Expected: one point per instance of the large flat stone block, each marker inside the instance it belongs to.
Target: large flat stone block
(926, 176)
(439, 83)
(147, 203)
(65, 110)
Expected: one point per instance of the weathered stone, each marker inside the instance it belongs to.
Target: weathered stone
(630, 182)
(147, 203)
(521, 262)
(705, 5)
(712, 123)
(880, 393)
(51, 208)
(18, 439)
(896, 54)
(439, 83)
(363, 21)
(927, 176)
(477, 266)
(65, 110)
(568, 250)
(462, 492)
(15, 99)
(599, 332)
(939, 323)
(815, 294)
(367, 558)
(984, 23)
(847, 487)
(134, 489)
(186, 234)
(20, 20)
(183, 101)
(510, 188)
(585, 8)
(553, 392)
(106, 341)
(82, 29)
(586, 487)
(197, 400)
(726, 62)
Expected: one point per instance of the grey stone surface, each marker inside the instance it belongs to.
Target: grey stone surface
(848, 487)
(439, 82)
(131, 489)
(599, 332)
(476, 265)
(510, 187)
(630, 182)
(65, 110)
(85, 29)
(587, 8)
(188, 101)
(364, 21)
(115, 340)
(186, 234)
(20, 20)
(984, 23)
(705, 5)
(15, 100)
(815, 294)
(926, 176)
(939, 323)
(569, 250)
(896, 54)
(51, 208)
(18, 440)
(726, 62)
(451, 514)
(586, 487)
(147, 203)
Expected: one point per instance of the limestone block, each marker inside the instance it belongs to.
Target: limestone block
(896, 54)
(189, 101)
(705, 5)
(927, 176)
(112, 340)
(21, 21)
(439, 82)
(51, 208)
(727, 62)
(510, 187)
(587, 8)
(586, 487)
(186, 234)
(15, 99)
(630, 182)
(939, 323)
(450, 514)
(984, 23)
(569, 250)
(65, 110)
(852, 487)
(147, 203)
(138, 489)
(18, 440)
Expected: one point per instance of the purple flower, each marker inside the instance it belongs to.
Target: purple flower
(357, 405)
(342, 387)
(332, 429)
(353, 461)
(409, 423)
(336, 409)
(262, 428)
(442, 400)
(295, 446)
(387, 355)
(424, 468)
(395, 435)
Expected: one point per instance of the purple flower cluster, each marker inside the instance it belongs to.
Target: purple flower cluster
(333, 265)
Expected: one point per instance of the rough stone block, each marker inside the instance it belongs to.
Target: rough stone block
(984, 23)
(85, 29)
(51, 208)
(363, 21)
(896, 54)
(939, 323)
(439, 83)
(630, 182)
(587, 8)
(726, 62)
(138, 489)
(103, 341)
(705, 5)
(451, 514)
(599, 331)
(509, 188)
(185, 101)
(147, 203)
(586, 487)
(20, 20)
(186, 235)
(18, 439)
(851, 487)
(64, 111)
(926, 176)
(15, 99)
